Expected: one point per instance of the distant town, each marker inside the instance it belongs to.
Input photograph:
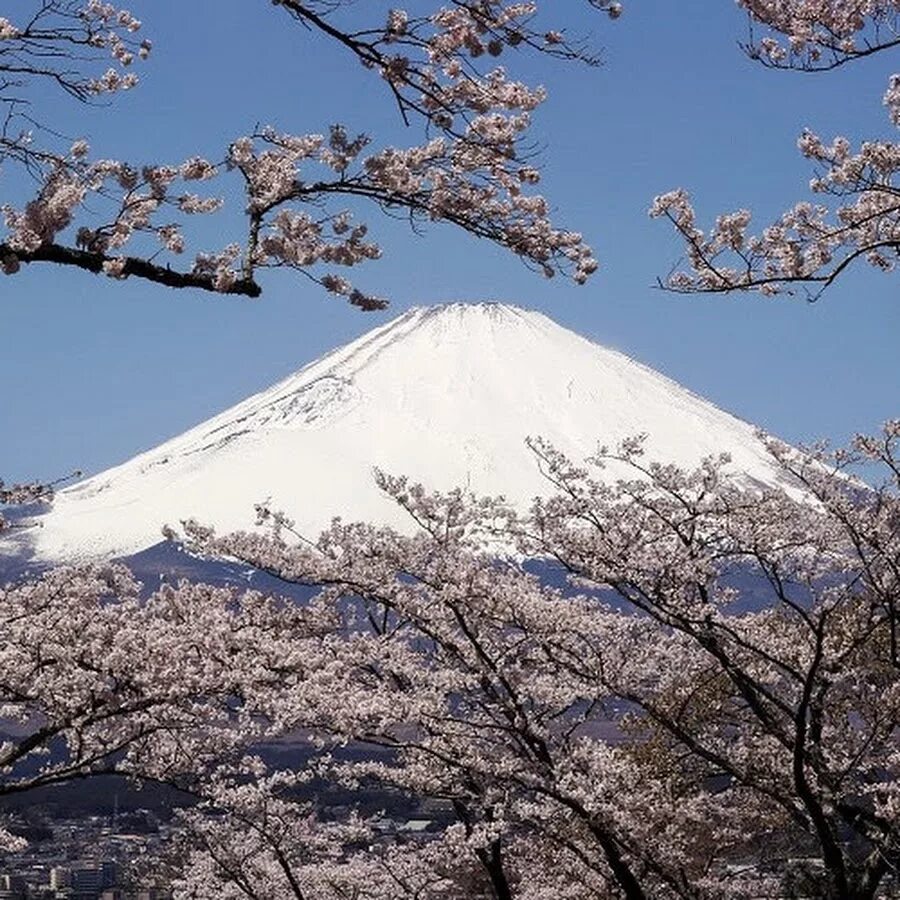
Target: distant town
(92, 858)
(120, 853)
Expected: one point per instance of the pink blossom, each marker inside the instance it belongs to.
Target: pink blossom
(8, 31)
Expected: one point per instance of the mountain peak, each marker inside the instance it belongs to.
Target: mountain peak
(458, 314)
(444, 394)
(492, 309)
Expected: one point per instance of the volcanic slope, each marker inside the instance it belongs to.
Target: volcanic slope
(446, 395)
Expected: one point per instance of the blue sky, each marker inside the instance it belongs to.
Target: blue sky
(94, 371)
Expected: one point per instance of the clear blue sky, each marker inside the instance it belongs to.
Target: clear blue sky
(94, 371)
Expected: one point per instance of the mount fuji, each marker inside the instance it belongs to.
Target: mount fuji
(446, 395)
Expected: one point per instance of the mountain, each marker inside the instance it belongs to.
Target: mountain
(446, 395)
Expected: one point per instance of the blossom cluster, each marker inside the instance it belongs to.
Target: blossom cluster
(811, 243)
(821, 34)
(135, 198)
(28, 493)
(22, 494)
(130, 684)
(41, 46)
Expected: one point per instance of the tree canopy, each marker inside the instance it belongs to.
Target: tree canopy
(708, 708)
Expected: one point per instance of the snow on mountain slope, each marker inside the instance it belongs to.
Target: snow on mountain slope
(446, 395)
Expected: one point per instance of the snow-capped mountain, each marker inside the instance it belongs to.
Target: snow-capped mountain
(446, 395)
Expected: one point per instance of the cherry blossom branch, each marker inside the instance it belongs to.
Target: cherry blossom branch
(819, 35)
(475, 174)
(810, 246)
(124, 267)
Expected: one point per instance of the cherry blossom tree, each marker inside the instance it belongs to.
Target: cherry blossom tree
(441, 68)
(708, 710)
(98, 679)
(854, 217)
(708, 707)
